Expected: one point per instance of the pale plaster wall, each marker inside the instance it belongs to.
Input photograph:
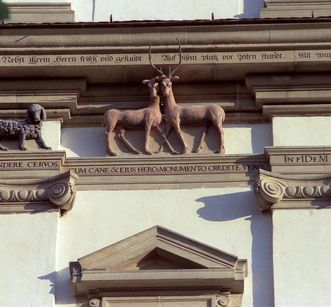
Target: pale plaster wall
(51, 132)
(226, 218)
(239, 139)
(301, 255)
(100, 10)
(301, 131)
(28, 243)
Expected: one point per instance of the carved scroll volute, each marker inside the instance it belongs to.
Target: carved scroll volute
(269, 191)
(62, 193)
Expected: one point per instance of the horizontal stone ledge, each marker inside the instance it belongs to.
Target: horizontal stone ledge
(295, 109)
(288, 89)
(143, 33)
(301, 160)
(165, 172)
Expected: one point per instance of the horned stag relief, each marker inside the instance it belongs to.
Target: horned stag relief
(174, 116)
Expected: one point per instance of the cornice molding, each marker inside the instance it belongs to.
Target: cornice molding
(295, 8)
(279, 95)
(54, 193)
(40, 12)
(276, 191)
(162, 171)
(299, 160)
(122, 49)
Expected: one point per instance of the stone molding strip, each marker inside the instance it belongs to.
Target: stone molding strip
(40, 12)
(165, 171)
(303, 160)
(276, 191)
(22, 195)
(295, 8)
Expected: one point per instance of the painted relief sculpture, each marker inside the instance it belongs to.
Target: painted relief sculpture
(25, 130)
(146, 118)
(176, 116)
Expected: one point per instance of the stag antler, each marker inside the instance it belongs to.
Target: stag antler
(179, 64)
(150, 61)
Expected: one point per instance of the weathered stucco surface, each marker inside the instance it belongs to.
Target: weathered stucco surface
(171, 9)
(301, 248)
(28, 246)
(227, 219)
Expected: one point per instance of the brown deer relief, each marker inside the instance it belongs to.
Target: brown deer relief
(147, 118)
(174, 116)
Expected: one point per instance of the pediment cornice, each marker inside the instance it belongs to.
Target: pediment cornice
(157, 259)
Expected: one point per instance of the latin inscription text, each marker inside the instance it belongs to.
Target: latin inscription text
(297, 159)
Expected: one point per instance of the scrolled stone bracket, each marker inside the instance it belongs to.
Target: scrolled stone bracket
(54, 193)
(277, 191)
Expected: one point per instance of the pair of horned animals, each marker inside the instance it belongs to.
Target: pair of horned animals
(147, 118)
(174, 116)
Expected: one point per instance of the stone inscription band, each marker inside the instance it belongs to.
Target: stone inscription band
(168, 58)
(171, 169)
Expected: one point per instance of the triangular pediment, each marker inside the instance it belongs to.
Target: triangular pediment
(157, 248)
(156, 259)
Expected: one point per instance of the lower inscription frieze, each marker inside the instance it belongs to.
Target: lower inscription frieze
(166, 172)
(180, 169)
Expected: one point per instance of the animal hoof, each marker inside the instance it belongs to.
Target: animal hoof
(220, 151)
(174, 152)
(23, 148)
(47, 147)
(147, 152)
(3, 148)
(184, 151)
(111, 153)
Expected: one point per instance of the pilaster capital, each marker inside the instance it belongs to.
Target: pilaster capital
(54, 193)
(276, 191)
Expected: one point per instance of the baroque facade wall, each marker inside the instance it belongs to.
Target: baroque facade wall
(245, 228)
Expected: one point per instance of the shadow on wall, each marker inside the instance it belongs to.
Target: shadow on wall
(222, 208)
(261, 136)
(60, 286)
(251, 9)
(51, 277)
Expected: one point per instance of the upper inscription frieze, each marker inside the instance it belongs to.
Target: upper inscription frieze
(113, 59)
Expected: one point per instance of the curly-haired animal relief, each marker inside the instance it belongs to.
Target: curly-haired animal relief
(25, 130)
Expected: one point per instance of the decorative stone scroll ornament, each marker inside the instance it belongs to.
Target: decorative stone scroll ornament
(159, 265)
(175, 116)
(276, 191)
(56, 192)
(28, 129)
